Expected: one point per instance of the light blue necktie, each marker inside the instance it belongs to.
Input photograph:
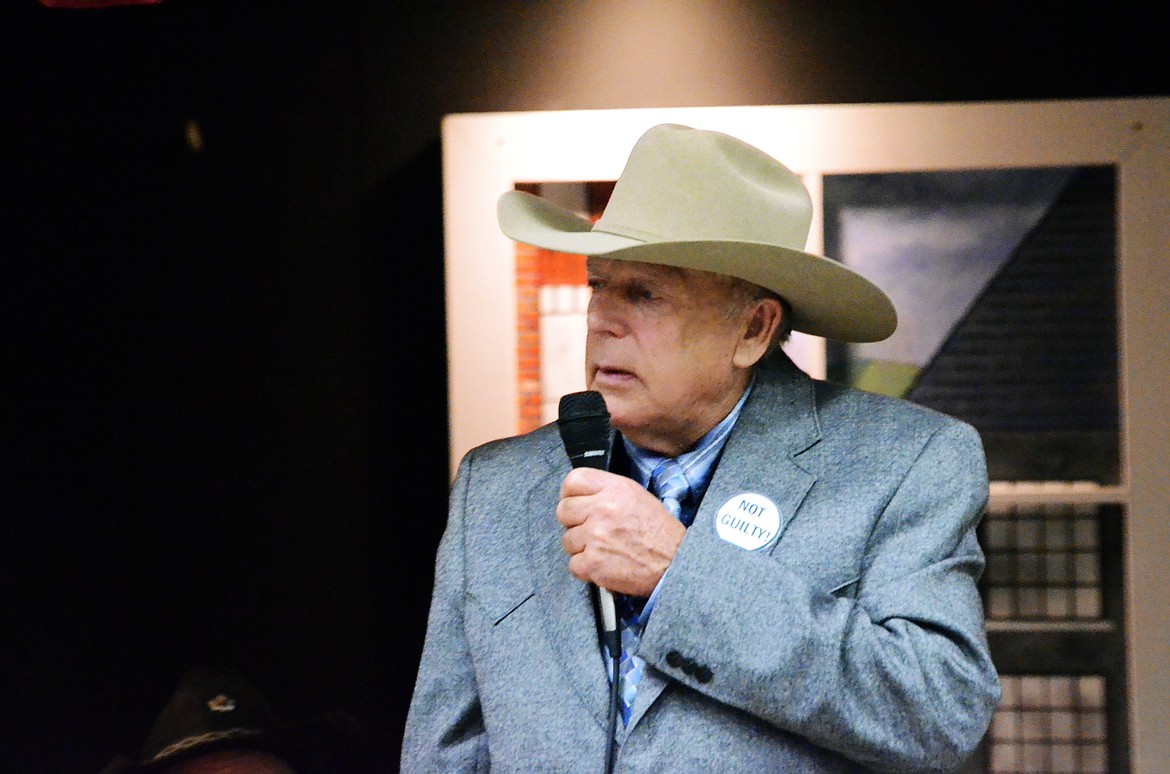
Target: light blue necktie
(669, 483)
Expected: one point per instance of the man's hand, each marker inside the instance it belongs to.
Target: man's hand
(617, 535)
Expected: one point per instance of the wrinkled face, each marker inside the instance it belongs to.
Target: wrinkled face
(659, 349)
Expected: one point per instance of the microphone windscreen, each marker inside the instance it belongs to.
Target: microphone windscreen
(584, 424)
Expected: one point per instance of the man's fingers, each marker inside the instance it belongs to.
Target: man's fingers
(577, 565)
(617, 534)
(573, 541)
(571, 513)
(577, 489)
(585, 481)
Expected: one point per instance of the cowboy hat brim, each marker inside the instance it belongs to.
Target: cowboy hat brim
(827, 299)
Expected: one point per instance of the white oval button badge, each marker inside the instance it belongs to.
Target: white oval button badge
(748, 520)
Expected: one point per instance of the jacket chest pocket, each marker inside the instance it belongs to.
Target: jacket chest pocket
(510, 610)
(501, 612)
(501, 628)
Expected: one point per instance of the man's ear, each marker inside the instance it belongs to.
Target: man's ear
(762, 323)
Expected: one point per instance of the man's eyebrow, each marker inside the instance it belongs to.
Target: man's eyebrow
(666, 277)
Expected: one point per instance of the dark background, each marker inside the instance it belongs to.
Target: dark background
(224, 417)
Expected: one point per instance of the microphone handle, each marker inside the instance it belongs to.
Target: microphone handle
(608, 614)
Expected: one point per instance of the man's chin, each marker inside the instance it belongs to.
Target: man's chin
(615, 401)
(621, 418)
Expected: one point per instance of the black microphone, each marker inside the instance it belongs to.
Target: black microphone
(583, 421)
(584, 424)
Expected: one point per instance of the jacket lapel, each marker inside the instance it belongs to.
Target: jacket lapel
(565, 602)
(777, 423)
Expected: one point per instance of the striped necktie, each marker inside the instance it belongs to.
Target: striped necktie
(669, 483)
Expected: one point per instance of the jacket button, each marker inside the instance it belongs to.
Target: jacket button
(703, 674)
(674, 658)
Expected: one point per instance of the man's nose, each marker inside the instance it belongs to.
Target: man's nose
(605, 314)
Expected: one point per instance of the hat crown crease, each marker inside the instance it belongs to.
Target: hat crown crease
(655, 199)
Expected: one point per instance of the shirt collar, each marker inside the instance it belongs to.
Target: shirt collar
(699, 462)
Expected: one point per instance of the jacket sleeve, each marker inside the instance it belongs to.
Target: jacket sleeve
(444, 727)
(895, 675)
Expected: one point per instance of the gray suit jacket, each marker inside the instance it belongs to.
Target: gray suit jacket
(853, 641)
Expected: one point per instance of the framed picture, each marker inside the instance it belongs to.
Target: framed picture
(1049, 339)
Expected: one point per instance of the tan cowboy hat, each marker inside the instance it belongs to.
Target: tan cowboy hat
(704, 200)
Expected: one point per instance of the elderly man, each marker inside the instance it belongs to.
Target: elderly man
(794, 561)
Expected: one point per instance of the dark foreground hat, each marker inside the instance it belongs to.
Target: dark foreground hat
(705, 200)
(215, 709)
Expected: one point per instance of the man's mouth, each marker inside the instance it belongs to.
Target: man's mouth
(612, 375)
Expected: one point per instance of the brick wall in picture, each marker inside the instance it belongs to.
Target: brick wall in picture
(551, 300)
